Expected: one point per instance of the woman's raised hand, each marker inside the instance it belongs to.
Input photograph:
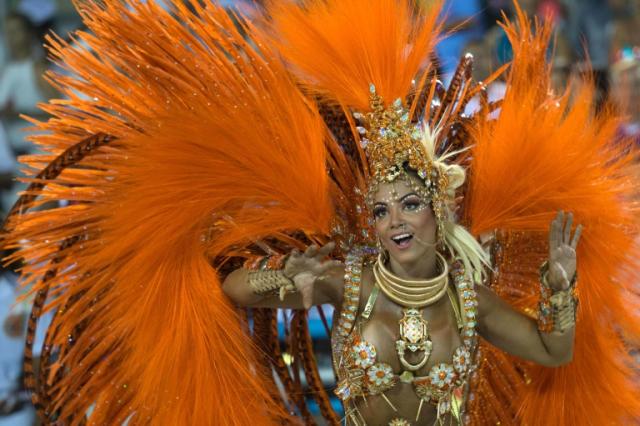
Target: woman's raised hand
(562, 251)
(304, 269)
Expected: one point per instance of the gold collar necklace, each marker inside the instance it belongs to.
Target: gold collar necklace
(412, 293)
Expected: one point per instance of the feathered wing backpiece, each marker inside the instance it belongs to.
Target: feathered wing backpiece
(211, 147)
(185, 145)
(355, 43)
(543, 154)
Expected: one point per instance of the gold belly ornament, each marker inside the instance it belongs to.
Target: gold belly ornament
(414, 336)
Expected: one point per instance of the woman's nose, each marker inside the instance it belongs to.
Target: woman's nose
(395, 216)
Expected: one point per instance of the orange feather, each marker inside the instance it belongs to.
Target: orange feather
(339, 47)
(545, 153)
(216, 147)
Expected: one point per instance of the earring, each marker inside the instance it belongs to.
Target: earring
(381, 250)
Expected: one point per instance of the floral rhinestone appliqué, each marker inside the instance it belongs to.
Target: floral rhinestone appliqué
(380, 375)
(363, 354)
(442, 376)
(461, 360)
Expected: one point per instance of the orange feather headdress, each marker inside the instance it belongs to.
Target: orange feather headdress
(192, 140)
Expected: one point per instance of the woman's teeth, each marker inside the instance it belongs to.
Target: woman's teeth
(402, 240)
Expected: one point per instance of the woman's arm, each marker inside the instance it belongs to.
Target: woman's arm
(520, 335)
(316, 281)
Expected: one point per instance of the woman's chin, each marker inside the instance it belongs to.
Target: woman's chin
(407, 256)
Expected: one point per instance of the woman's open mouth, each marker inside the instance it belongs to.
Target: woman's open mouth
(403, 240)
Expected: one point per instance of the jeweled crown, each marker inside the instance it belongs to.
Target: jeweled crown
(390, 140)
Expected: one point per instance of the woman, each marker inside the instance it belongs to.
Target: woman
(198, 145)
(406, 228)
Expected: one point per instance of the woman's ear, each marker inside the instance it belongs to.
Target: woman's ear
(455, 176)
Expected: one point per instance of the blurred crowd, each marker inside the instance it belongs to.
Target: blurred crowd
(595, 37)
(600, 35)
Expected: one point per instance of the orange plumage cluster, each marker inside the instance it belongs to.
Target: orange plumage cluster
(543, 154)
(216, 149)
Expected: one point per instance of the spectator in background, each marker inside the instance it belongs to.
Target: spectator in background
(463, 23)
(486, 61)
(8, 166)
(22, 86)
(15, 407)
(41, 14)
(3, 54)
(561, 53)
(625, 67)
(552, 10)
(15, 401)
(493, 10)
(588, 28)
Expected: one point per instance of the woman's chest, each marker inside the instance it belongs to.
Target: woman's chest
(407, 340)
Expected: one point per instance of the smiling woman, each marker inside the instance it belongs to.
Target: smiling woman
(420, 369)
(216, 165)
(406, 225)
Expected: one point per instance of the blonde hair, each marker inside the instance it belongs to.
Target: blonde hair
(457, 240)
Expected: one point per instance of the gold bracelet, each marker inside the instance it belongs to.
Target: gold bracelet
(556, 309)
(271, 283)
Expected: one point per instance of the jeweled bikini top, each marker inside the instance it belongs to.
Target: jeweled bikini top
(355, 360)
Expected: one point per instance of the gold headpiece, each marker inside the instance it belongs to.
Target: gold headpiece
(391, 140)
(393, 144)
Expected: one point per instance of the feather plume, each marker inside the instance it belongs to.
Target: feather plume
(543, 154)
(213, 147)
(340, 47)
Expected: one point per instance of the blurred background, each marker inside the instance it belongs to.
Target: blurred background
(604, 32)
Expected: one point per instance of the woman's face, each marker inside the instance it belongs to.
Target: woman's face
(404, 222)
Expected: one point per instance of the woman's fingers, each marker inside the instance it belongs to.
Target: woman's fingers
(311, 251)
(560, 232)
(567, 229)
(321, 268)
(576, 237)
(555, 231)
(326, 249)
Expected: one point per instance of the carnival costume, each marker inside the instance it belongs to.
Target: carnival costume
(194, 142)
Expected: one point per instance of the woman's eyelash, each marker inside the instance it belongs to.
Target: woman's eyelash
(412, 203)
(379, 211)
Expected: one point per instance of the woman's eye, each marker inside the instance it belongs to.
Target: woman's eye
(379, 212)
(412, 205)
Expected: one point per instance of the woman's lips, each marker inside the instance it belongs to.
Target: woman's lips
(402, 241)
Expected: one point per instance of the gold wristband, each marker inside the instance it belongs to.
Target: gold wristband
(556, 309)
(270, 283)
